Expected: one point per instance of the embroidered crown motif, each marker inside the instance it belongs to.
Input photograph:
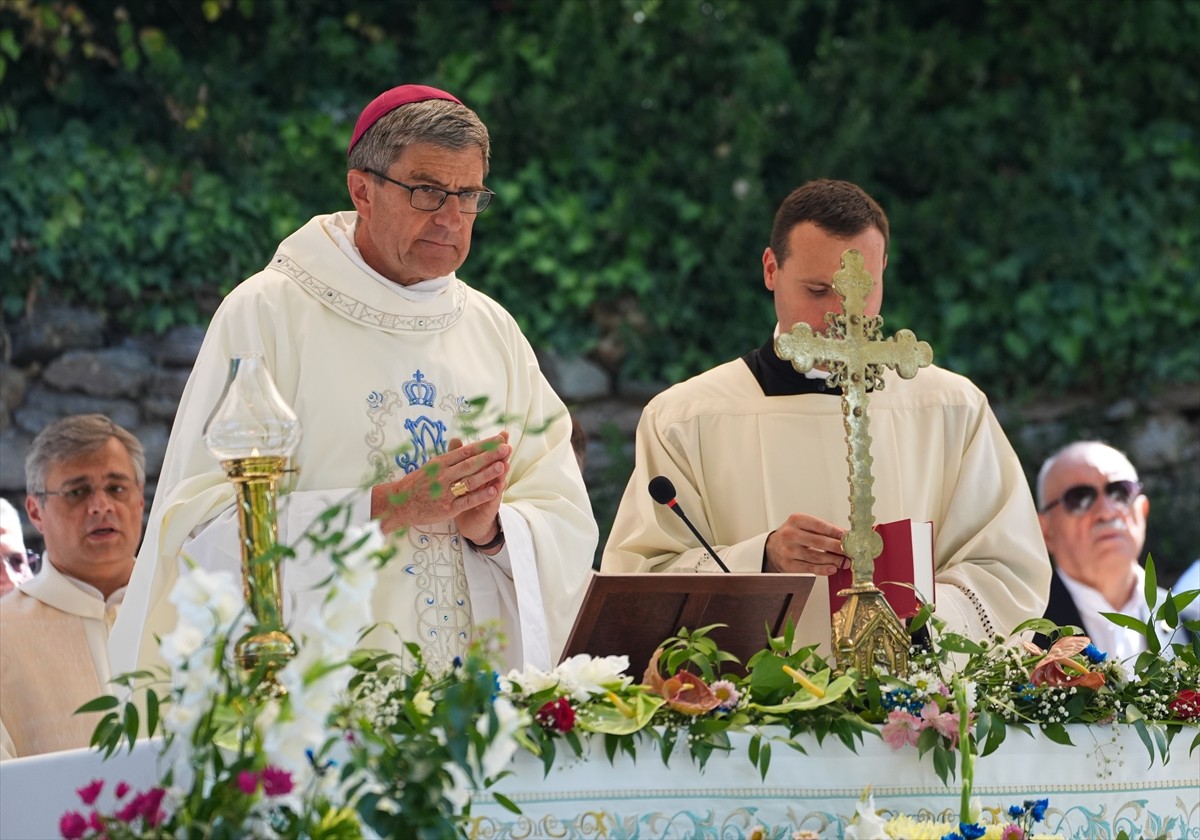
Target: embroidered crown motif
(420, 392)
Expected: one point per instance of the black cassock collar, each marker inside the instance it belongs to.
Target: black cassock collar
(778, 378)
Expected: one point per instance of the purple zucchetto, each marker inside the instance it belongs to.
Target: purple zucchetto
(389, 101)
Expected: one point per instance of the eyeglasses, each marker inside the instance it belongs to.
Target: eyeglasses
(1078, 500)
(118, 491)
(423, 197)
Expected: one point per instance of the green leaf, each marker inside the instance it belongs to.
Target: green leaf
(505, 802)
(1150, 587)
(764, 759)
(99, 704)
(605, 717)
(1057, 733)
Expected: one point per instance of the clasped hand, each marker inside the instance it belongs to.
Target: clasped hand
(805, 544)
(424, 497)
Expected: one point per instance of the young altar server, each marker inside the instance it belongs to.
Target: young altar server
(757, 451)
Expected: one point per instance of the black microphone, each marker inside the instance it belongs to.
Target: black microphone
(663, 492)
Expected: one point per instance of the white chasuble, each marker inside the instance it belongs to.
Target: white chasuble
(743, 462)
(380, 381)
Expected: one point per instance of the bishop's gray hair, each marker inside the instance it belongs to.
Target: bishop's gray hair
(436, 122)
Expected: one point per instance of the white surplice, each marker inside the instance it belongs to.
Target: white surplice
(54, 634)
(743, 462)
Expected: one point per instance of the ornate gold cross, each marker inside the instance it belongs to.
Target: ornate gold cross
(866, 631)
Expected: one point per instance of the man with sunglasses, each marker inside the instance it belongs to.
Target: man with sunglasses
(85, 478)
(1093, 516)
(405, 379)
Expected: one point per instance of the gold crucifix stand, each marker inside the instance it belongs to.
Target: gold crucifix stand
(866, 631)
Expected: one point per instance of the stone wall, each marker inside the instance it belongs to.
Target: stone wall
(62, 361)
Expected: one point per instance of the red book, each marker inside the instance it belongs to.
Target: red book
(907, 558)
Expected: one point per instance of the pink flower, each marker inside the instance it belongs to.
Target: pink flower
(96, 822)
(1012, 831)
(131, 810)
(946, 723)
(902, 728)
(276, 782)
(727, 693)
(152, 799)
(88, 793)
(121, 790)
(72, 825)
(247, 782)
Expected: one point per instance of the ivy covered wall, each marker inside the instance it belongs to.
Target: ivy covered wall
(1039, 162)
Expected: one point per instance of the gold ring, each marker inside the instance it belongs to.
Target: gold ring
(459, 489)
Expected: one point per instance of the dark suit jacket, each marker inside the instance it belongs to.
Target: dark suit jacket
(1061, 610)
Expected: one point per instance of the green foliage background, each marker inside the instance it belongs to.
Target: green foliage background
(1038, 159)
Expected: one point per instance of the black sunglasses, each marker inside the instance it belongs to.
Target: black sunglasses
(1079, 499)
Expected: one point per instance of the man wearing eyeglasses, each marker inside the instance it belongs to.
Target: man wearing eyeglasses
(385, 355)
(85, 478)
(1093, 516)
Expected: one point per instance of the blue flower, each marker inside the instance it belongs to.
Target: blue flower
(953, 835)
(971, 831)
(1015, 811)
(1039, 809)
(319, 767)
(1094, 654)
(901, 698)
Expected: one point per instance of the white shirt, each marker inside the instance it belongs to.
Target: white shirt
(1118, 642)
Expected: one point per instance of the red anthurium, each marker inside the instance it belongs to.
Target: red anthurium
(1056, 662)
(688, 694)
(685, 693)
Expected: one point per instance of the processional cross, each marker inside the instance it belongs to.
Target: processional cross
(866, 630)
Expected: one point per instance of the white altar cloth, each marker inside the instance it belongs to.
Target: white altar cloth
(1103, 784)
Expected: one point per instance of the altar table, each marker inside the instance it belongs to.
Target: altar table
(1101, 785)
(1104, 784)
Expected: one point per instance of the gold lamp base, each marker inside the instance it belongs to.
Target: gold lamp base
(267, 651)
(266, 648)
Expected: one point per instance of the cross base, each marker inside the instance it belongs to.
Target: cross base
(867, 633)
